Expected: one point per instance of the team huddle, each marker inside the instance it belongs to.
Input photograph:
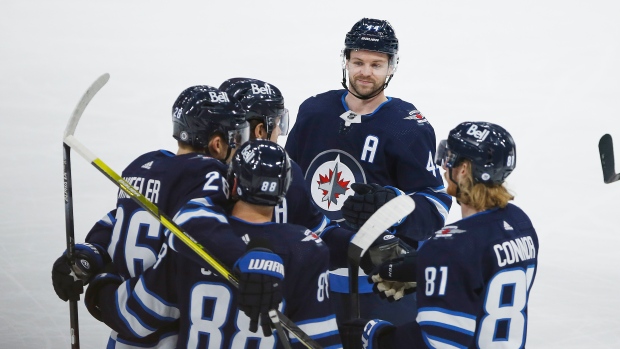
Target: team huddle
(281, 219)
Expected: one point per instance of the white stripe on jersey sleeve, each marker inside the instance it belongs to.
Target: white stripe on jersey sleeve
(441, 208)
(319, 229)
(132, 322)
(318, 328)
(186, 215)
(439, 344)
(107, 220)
(154, 305)
(460, 322)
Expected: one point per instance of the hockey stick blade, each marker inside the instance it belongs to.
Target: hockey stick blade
(86, 98)
(606, 151)
(385, 217)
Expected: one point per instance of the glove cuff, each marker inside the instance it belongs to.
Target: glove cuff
(260, 261)
(375, 333)
(91, 298)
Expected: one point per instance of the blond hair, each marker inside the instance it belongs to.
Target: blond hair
(481, 196)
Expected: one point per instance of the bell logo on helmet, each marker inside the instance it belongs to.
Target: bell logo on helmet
(479, 135)
(221, 97)
(257, 90)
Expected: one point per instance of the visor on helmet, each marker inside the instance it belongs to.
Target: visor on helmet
(239, 135)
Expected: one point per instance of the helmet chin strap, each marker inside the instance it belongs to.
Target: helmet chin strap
(374, 94)
(458, 188)
(228, 151)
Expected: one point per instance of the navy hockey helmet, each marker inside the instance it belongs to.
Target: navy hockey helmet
(261, 101)
(201, 112)
(372, 35)
(263, 172)
(489, 147)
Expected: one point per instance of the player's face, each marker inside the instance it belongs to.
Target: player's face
(367, 71)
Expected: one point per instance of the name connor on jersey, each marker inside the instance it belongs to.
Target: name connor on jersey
(514, 251)
(151, 192)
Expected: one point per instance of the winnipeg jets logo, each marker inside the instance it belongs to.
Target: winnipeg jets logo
(329, 177)
(332, 185)
(310, 236)
(416, 115)
(447, 232)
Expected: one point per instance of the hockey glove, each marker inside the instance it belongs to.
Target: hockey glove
(367, 199)
(360, 333)
(260, 273)
(395, 278)
(69, 278)
(387, 246)
(91, 298)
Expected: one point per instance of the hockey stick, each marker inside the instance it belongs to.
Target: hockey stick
(606, 151)
(74, 144)
(68, 191)
(386, 216)
(275, 320)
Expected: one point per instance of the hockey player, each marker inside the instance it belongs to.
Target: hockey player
(204, 304)
(474, 276)
(208, 126)
(346, 139)
(268, 118)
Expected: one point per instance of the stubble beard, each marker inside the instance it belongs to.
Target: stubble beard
(354, 86)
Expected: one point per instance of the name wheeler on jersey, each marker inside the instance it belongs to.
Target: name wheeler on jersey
(167, 180)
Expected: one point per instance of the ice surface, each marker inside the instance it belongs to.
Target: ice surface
(548, 71)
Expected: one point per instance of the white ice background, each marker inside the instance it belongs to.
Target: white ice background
(548, 71)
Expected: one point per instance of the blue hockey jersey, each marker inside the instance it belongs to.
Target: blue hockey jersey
(133, 237)
(394, 146)
(130, 234)
(203, 305)
(297, 207)
(474, 281)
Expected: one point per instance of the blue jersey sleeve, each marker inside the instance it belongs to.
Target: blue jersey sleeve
(208, 225)
(101, 233)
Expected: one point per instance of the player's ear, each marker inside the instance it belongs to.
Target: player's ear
(260, 132)
(217, 147)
